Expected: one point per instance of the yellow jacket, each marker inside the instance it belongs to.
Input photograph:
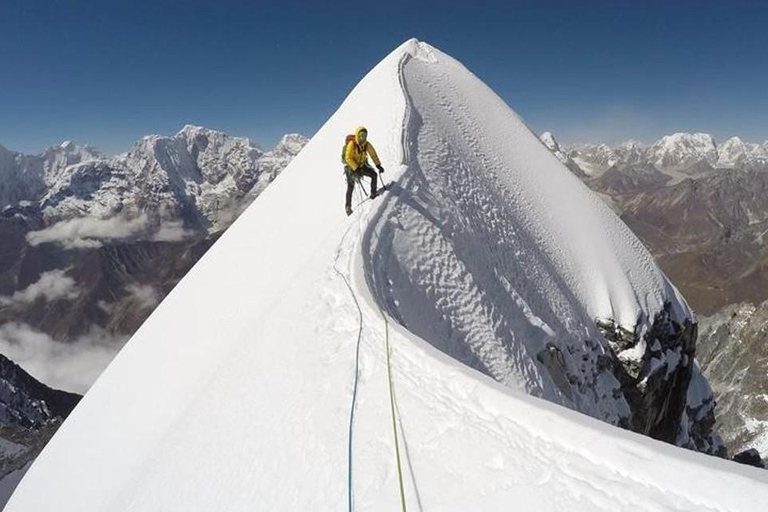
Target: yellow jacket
(356, 155)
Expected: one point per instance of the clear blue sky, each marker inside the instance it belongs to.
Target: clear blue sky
(108, 72)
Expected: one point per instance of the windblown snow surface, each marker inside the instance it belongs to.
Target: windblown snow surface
(235, 394)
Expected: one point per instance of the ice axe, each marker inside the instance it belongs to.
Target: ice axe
(381, 178)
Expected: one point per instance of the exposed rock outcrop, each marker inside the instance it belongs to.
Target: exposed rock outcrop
(668, 398)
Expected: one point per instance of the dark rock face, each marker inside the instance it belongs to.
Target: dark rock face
(656, 370)
(749, 457)
(26, 403)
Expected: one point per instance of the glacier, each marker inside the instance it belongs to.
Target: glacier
(235, 394)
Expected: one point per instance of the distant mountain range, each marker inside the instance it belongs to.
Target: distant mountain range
(674, 155)
(199, 179)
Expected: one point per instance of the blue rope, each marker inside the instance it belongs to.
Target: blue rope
(357, 374)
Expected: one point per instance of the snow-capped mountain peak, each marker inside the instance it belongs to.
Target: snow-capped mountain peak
(549, 140)
(290, 145)
(682, 150)
(731, 152)
(26, 177)
(189, 131)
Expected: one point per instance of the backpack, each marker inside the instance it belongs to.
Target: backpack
(349, 139)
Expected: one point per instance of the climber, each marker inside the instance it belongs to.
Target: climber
(355, 158)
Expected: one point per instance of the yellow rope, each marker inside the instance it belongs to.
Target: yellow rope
(392, 407)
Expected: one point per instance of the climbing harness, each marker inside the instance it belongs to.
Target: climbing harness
(358, 179)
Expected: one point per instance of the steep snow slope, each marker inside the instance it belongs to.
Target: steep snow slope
(247, 371)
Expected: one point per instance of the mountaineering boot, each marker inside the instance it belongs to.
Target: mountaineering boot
(348, 209)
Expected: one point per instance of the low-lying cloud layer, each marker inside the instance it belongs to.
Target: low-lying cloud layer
(72, 366)
(52, 285)
(88, 232)
(93, 232)
(171, 231)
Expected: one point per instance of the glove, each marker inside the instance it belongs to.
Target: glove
(380, 168)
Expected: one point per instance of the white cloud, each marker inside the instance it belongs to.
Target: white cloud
(171, 231)
(88, 232)
(71, 366)
(52, 285)
(145, 295)
(93, 232)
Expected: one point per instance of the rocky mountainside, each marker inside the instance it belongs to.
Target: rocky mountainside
(702, 210)
(25, 403)
(708, 234)
(30, 413)
(734, 353)
(67, 293)
(686, 152)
